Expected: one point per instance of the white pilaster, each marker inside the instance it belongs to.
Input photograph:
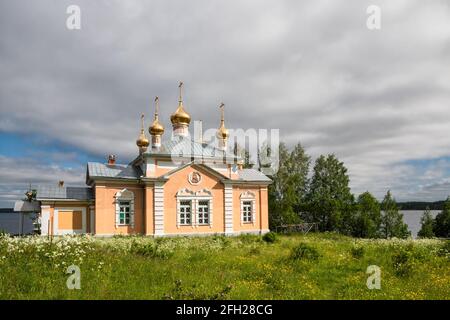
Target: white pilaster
(150, 168)
(45, 220)
(159, 208)
(228, 198)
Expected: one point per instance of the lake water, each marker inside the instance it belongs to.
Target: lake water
(412, 219)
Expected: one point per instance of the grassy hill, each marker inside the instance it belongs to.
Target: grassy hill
(314, 266)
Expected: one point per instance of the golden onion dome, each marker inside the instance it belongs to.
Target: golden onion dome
(142, 141)
(180, 116)
(156, 128)
(222, 132)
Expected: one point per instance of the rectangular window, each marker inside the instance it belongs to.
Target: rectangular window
(247, 215)
(203, 212)
(185, 212)
(124, 212)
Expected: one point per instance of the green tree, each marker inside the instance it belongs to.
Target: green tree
(427, 221)
(329, 198)
(287, 191)
(441, 225)
(392, 224)
(367, 218)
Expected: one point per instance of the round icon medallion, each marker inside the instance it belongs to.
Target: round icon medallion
(194, 178)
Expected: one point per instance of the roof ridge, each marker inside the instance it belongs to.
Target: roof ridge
(108, 164)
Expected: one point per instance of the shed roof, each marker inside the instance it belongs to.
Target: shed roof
(253, 175)
(56, 192)
(97, 169)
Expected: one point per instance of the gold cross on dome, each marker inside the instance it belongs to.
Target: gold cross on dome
(222, 107)
(156, 106)
(181, 90)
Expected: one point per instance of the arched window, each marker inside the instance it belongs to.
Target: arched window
(248, 207)
(124, 208)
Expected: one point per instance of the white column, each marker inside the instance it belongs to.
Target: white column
(228, 208)
(159, 208)
(45, 220)
(150, 167)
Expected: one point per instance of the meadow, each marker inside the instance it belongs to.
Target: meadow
(313, 266)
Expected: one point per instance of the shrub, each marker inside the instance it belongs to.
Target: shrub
(221, 240)
(146, 249)
(304, 251)
(270, 237)
(357, 252)
(402, 262)
(444, 251)
(152, 249)
(249, 238)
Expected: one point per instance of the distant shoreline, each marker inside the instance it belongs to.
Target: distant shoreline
(420, 205)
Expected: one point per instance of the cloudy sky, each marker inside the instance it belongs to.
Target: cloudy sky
(378, 99)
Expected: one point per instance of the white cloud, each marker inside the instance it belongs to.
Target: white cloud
(376, 99)
(17, 174)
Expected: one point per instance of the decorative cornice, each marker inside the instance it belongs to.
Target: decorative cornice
(247, 195)
(185, 192)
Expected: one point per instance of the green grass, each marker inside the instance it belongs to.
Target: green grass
(314, 266)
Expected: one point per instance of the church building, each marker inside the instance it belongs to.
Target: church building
(175, 186)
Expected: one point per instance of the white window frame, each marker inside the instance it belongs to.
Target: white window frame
(180, 212)
(124, 204)
(248, 196)
(247, 209)
(195, 197)
(200, 206)
(124, 195)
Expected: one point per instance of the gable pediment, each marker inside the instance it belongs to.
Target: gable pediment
(201, 168)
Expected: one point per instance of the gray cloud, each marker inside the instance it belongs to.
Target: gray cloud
(374, 98)
(16, 175)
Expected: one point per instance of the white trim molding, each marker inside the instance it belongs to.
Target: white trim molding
(45, 220)
(124, 195)
(150, 167)
(228, 208)
(195, 196)
(159, 208)
(248, 196)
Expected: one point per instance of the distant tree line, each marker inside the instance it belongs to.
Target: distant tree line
(324, 197)
(436, 227)
(421, 205)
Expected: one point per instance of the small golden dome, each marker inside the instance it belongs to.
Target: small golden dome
(156, 128)
(180, 116)
(222, 132)
(142, 141)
